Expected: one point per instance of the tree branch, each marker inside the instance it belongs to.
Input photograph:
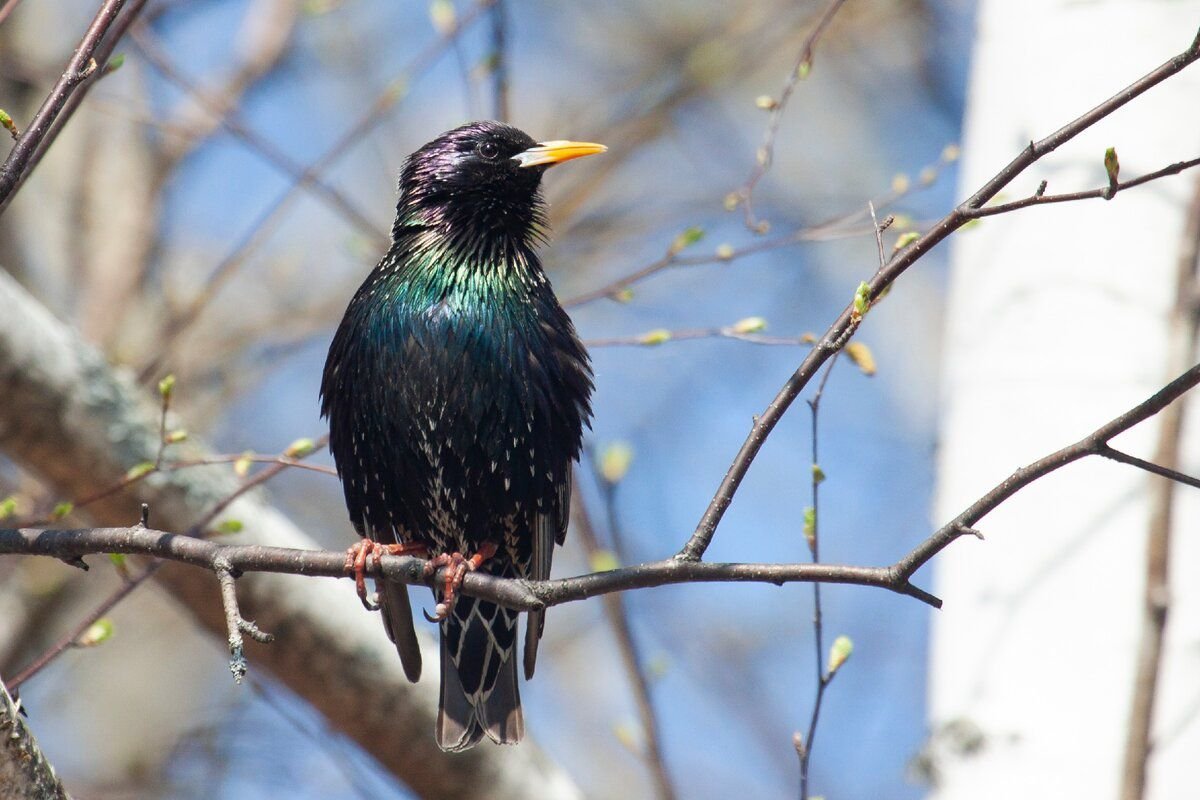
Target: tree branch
(839, 332)
(63, 98)
(25, 773)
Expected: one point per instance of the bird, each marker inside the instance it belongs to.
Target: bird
(457, 392)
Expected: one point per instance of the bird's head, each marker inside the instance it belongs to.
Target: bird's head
(482, 177)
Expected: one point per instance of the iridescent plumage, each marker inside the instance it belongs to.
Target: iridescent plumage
(457, 391)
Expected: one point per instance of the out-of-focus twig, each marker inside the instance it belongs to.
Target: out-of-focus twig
(766, 151)
(631, 657)
(387, 100)
(1184, 325)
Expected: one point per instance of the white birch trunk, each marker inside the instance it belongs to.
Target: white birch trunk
(1058, 321)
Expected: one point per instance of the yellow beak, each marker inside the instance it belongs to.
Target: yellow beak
(556, 152)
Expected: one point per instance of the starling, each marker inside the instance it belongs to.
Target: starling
(457, 390)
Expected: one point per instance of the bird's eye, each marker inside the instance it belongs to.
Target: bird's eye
(489, 150)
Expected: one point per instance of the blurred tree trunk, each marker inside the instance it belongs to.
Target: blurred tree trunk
(1059, 319)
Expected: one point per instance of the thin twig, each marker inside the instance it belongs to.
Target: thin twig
(82, 66)
(766, 151)
(1039, 198)
(660, 336)
(901, 261)
(812, 535)
(1094, 443)
(841, 226)
(71, 637)
(8, 8)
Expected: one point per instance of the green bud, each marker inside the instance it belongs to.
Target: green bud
(838, 653)
(615, 460)
(139, 470)
(166, 386)
(299, 448)
(688, 237)
(98, 632)
(862, 299)
(749, 325)
(1111, 165)
(604, 561)
(654, 337)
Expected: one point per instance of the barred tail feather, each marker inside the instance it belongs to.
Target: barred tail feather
(479, 693)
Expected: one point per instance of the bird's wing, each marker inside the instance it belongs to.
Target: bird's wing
(550, 528)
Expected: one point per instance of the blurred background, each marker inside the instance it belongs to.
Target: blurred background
(169, 226)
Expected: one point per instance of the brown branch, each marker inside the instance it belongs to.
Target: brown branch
(516, 594)
(845, 324)
(1094, 444)
(1184, 325)
(7, 9)
(1039, 198)
(58, 106)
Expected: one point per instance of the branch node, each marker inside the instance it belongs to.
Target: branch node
(75, 561)
(144, 519)
(969, 531)
(85, 72)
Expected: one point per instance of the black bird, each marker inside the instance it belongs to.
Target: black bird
(457, 390)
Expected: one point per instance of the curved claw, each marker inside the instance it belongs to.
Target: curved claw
(440, 612)
(356, 563)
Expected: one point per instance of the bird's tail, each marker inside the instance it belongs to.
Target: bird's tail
(479, 676)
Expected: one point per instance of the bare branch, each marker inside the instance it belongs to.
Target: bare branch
(885, 277)
(64, 97)
(1093, 444)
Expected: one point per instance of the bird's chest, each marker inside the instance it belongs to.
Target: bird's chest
(465, 416)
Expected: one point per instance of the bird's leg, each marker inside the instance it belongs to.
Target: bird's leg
(457, 566)
(356, 562)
